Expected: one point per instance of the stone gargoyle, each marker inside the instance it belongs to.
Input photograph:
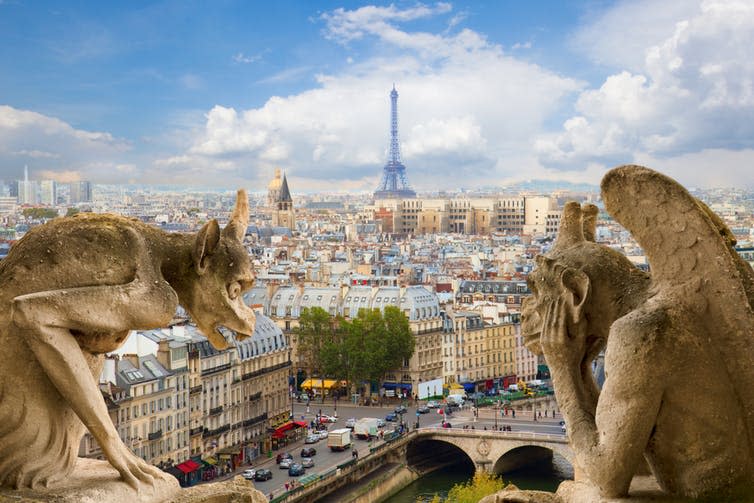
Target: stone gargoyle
(70, 291)
(679, 343)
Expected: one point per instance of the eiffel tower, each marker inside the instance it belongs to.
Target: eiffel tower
(394, 183)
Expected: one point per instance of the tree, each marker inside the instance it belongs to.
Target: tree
(39, 213)
(314, 324)
(483, 484)
(71, 211)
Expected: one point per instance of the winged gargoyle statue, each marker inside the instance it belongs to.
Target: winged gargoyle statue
(679, 355)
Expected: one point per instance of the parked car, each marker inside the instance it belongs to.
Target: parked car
(285, 464)
(249, 474)
(392, 417)
(262, 474)
(308, 452)
(401, 409)
(328, 419)
(312, 438)
(296, 470)
(307, 462)
(323, 434)
(446, 425)
(433, 404)
(283, 455)
(380, 423)
(351, 422)
(423, 409)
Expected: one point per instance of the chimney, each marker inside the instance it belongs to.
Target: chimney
(163, 354)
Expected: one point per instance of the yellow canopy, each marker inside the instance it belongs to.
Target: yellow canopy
(319, 383)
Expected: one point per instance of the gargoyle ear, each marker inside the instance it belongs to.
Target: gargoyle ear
(205, 245)
(239, 219)
(577, 287)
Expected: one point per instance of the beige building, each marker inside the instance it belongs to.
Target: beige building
(184, 399)
(515, 215)
(476, 353)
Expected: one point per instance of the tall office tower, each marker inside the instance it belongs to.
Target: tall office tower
(27, 189)
(394, 183)
(80, 192)
(48, 193)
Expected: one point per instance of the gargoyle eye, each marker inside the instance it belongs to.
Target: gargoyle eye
(234, 290)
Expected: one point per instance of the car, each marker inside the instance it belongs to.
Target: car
(351, 422)
(327, 419)
(401, 409)
(312, 438)
(423, 410)
(262, 474)
(307, 462)
(392, 417)
(433, 404)
(446, 425)
(296, 470)
(249, 474)
(562, 426)
(308, 452)
(380, 423)
(323, 434)
(283, 455)
(285, 464)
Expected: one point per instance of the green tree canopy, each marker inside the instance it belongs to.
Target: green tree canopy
(360, 349)
(39, 213)
(483, 484)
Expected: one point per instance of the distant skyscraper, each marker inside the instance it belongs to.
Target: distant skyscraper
(80, 192)
(48, 192)
(394, 183)
(27, 190)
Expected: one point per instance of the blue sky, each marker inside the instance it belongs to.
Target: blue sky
(220, 93)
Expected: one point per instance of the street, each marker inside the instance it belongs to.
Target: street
(324, 459)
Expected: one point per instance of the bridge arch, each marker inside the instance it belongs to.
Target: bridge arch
(427, 454)
(500, 451)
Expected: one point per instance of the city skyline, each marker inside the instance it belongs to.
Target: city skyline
(168, 93)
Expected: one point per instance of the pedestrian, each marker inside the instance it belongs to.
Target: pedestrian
(545, 412)
(286, 487)
(513, 411)
(540, 414)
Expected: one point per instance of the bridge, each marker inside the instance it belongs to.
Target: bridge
(421, 451)
(491, 451)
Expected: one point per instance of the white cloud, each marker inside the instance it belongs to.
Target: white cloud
(463, 104)
(693, 91)
(246, 59)
(49, 144)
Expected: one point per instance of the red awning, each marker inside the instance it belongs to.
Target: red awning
(284, 427)
(301, 424)
(278, 434)
(188, 466)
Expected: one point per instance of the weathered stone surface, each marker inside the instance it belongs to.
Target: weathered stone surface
(235, 490)
(679, 345)
(71, 290)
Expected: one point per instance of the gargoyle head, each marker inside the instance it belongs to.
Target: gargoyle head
(223, 272)
(592, 278)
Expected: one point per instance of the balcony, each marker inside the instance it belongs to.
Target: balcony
(255, 396)
(215, 410)
(215, 370)
(195, 389)
(216, 431)
(154, 436)
(257, 373)
(196, 431)
(255, 420)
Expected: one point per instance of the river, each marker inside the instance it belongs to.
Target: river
(543, 477)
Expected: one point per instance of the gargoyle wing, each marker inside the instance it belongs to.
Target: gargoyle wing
(691, 256)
